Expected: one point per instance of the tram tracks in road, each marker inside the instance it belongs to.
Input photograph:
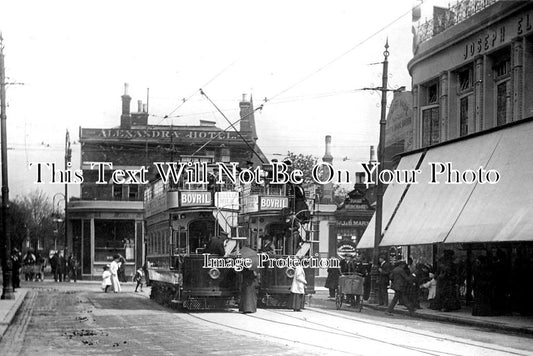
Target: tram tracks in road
(262, 335)
(348, 334)
(408, 330)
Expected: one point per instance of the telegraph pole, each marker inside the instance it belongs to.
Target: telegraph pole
(68, 155)
(7, 267)
(379, 193)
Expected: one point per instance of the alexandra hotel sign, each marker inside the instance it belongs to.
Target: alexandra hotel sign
(155, 134)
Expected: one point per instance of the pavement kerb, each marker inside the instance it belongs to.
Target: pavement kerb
(13, 309)
(435, 317)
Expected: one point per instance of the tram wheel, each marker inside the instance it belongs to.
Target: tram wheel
(338, 299)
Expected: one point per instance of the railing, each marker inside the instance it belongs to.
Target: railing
(446, 18)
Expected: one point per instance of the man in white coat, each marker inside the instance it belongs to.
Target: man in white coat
(113, 268)
(298, 288)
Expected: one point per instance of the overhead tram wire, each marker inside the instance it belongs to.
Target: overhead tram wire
(231, 125)
(266, 100)
(196, 91)
(346, 52)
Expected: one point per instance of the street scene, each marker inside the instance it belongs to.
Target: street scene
(260, 178)
(68, 319)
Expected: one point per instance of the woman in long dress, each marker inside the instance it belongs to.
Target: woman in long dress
(113, 268)
(298, 288)
(248, 302)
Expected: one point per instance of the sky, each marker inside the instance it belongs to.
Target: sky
(67, 62)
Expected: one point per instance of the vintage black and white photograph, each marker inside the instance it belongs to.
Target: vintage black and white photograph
(261, 177)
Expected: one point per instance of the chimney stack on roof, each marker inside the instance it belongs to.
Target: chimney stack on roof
(247, 117)
(125, 118)
(327, 156)
(372, 154)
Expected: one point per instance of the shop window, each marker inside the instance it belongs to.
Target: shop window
(113, 237)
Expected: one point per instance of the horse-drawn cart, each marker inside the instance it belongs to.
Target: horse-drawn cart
(349, 287)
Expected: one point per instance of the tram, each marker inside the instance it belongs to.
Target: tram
(278, 222)
(180, 220)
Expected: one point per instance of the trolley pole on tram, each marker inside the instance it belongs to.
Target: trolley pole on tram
(7, 266)
(374, 274)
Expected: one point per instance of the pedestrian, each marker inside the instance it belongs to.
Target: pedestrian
(61, 268)
(431, 286)
(483, 287)
(360, 270)
(446, 298)
(106, 279)
(500, 283)
(248, 301)
(146, 274)
(39, 267)
(298, 288)
(384, 269)
(400, 281)
(113, 268)
(121, 269)
(413, 287)
(16, 264)
(139, 274)
(29, 262)
(53, 265)
(73, 268)
(332, 281)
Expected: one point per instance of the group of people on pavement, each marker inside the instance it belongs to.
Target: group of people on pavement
(499, 287)
(115, 272)
(111, 277)
(406, 278)
(32, 266)
(64, 269)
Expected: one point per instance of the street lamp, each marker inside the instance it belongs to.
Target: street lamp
(7, 268)
(56, 217)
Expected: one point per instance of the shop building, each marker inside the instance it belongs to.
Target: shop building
(472, 116)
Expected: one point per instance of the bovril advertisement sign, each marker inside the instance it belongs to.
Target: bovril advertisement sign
(253, 203)
(177, 199)
(273, 203)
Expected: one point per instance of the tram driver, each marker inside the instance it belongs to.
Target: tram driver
(215, 245)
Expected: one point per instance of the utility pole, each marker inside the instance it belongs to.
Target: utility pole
(7, 266)
(374, 274)
(68, 155)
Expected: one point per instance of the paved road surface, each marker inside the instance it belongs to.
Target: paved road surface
(63, 319)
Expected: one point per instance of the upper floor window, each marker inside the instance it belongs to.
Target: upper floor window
(433, 94)
(464, 80)
(133, 193)
(463, 115)
(117, 191)
(430, 113)
(502, 77)
(430, 126)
